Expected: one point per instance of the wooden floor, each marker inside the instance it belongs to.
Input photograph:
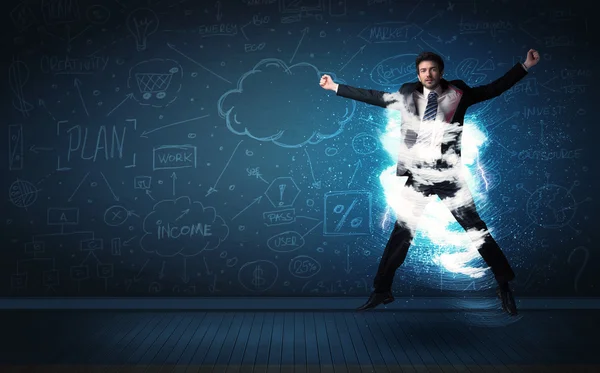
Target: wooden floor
(380, 341)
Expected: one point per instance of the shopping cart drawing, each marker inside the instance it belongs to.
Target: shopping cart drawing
(154, 83)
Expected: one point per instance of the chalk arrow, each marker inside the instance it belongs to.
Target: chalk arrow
(127, 97)
(36, 150)
(304, 32)
(360, 50)
(185, 276)
(183, 213)
(348, 268)
(145, 133)
(149, 193)
(77, 84)
(256, 200)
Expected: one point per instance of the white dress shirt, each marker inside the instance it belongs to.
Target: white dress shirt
(431, 133)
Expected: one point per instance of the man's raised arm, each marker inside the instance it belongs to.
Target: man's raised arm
(505, 82)
(368, 96)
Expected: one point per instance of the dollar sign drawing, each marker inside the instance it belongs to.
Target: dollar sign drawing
(257, 277)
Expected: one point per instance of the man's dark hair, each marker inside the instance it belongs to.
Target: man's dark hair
(429, 56)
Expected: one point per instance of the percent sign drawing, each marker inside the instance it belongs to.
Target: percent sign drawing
(348, 213)
(304, 266)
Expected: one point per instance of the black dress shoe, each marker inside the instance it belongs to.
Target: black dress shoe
(376, 299)
(508, 301)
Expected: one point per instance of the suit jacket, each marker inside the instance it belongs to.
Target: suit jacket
(463, 96)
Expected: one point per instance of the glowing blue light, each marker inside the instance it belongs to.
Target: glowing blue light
(454, 248)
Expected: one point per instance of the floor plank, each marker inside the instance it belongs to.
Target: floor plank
(168, 341)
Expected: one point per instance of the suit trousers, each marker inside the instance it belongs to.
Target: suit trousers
(457, 197)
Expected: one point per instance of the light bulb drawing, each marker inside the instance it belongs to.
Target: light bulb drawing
(142, 23)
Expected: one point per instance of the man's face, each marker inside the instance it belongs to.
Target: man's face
(429, 74)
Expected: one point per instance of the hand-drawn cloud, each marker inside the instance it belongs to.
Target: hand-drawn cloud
(285, 105)
(182, 227)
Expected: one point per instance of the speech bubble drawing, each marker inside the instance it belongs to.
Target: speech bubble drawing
(284, 105)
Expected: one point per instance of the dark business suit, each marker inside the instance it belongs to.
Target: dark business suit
(466, 214)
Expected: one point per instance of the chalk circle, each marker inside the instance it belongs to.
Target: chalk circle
(161, 95)
(174, 70)
(336, 251)
(117, 89)
(131, 227)
(356, 222)
(191, 135)
(363, 143)
(338, 209)
(96, 92)
(93, 184)
(249, 153)
(119, 61)
(223, 254)
(231, 262)
(147, 95)
(576, 183)
(519, 186)
(304, 266)
(241, 228)
(223, 63)
(331, 151)
(23, 193)
(115, 216)
(194, 74)
(258, 276)
(232, 187)
(160, 182)
(310, 202)
(286, 283)
(159, 222)
(100, 103)
(322, 34)
(98, 14)
(320, 249)
(367, 252)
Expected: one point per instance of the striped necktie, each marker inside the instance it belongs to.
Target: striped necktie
(431, 109)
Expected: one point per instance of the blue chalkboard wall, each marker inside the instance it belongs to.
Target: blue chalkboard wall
(170, 148)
